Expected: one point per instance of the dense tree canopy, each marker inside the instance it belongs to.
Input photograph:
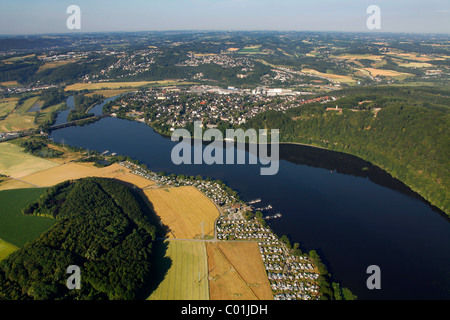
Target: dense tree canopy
(100, 228)
(408, 136)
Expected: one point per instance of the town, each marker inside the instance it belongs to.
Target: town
(169, 108)
(292, 277)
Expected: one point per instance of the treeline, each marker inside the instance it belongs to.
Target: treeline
(39, 148)
(100, 228)
(329, 292)
(328, 289)
(368, 98)
(18, 71)
(51, 97)
(72, 72)
(410, 140)
(26, 71)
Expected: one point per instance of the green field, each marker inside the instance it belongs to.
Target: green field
(6, 249)
(7, 105)
(16, 163)
(14, 117)
(26, 105)
(183, 264)
(16, 228)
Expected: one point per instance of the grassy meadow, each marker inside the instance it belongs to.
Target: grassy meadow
(187, 264)
(16, 163)
(16, 228)
(18, 117)
(6, 249)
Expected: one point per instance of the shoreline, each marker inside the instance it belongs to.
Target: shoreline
(435, 208)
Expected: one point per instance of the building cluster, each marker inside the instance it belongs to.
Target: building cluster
(241, 229)
(126, 65)
(23, 89)
(291, 277)
(8, 135)
(69, 56)
(211, 105)
(223, 60)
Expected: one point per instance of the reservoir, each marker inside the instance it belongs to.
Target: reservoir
(351, 212)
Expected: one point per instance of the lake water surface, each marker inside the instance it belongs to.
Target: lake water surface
(354, 214)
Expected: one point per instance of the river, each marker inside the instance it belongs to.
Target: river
(353, 213)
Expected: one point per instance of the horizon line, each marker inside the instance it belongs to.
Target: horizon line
(366, 32)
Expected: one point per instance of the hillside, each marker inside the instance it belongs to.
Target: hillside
(99, 228)
(403, 131)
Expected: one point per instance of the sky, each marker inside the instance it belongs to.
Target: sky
(49, 16)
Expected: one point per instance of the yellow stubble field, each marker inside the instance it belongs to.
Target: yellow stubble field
(72, 171)
(236, 272)
(120, 85)
(15, 163)
(183, 210)
(386, 73)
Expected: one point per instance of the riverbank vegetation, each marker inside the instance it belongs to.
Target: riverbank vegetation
(82, 104)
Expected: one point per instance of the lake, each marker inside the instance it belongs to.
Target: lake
(353, 213)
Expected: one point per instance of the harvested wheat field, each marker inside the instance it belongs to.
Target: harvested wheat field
(386, 73)
(120, 85)
(334, 77)
(236, 272)
(71, 171)
(17, 164)
(10, 184)
(183, 210)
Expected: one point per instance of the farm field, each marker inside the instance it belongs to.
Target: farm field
(16, 163)
(334, 77)
(411, 56)
(17, 122)
(183, 209)
(22, 117)
(415, 65)
(19, 58)
(54, 64)
(26, 105)
(119, 85)
(386, 73)
(9, 83)
(353, 57)
(6, 249)
(236, 272)
(9, 184)
(108, 93)
(187, 264)
(71, 171)
(16, 228)
(7, 105)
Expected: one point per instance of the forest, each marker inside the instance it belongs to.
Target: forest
(100, 228)
(408, 136)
